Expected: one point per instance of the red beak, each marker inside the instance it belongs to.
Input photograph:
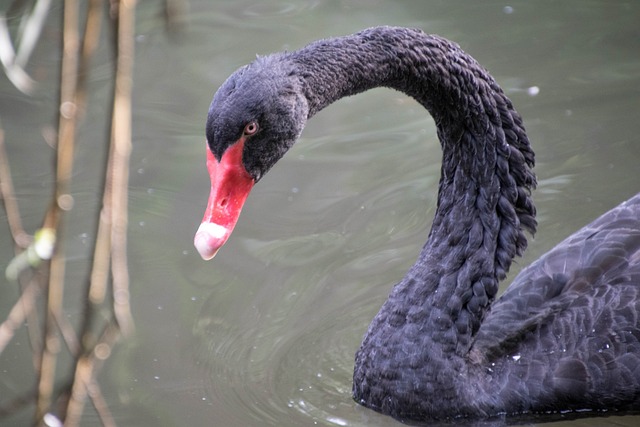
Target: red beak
(230, 186)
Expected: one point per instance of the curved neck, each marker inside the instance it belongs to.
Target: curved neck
(483, 200)
(432, 70)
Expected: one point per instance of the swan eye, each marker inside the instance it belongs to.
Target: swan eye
(250, 129)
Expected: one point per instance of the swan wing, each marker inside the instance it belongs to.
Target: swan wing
(588, 282)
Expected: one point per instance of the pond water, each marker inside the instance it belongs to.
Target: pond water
(266, 332)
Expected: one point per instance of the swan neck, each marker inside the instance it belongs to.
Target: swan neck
(425, 328)
(483, 201)
(428, 68)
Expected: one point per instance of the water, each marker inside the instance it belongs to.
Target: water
(266, 332)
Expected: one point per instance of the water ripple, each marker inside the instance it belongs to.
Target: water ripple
(274, 362)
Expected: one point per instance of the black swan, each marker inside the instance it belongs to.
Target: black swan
(565, 336)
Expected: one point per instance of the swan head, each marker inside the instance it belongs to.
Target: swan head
(254, 118)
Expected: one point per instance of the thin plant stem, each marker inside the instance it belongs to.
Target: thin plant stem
(121, 143)
(20, 237)
(18, 313)
(111, 236)
(62, 202)
(84, 382)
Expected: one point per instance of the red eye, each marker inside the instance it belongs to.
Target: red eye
(250, 129)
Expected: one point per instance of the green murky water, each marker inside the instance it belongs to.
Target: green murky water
(266, 332)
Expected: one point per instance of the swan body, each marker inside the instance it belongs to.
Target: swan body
(564, 336)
